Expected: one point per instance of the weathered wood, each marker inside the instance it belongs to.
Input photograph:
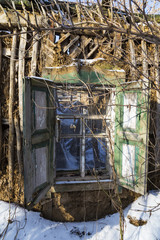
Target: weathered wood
(90, 186)
(1, 52)
(72, 42)
(144, 62)
(21, 71)
(19, 143)
(84, 43)
(0, 133)
(157, 84)
(62, 39)
(9, 20)
(0, 103)
(34, 61)
(10, 111)
(133, 64)
(117, 43)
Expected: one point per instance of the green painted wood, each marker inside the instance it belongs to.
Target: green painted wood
(136, 138)
(82, 77)
(38, 122)
(16, 2)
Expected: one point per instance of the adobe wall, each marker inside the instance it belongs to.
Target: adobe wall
(84, 205)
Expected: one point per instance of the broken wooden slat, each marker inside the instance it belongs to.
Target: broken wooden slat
(70, 44)
(21, 71)
(92, 51)
(64, 38)
(10, 111)
(84, 43)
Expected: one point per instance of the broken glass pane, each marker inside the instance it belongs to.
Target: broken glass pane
(96, 150)
(70, 126)
(95, 126)
(68, 154)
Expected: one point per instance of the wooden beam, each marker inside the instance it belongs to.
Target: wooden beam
(21, 71)
(10, 111)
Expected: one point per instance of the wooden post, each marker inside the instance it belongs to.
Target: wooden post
(21, 71)
(0, 104)
(144, 63)
(19, 143)
(10, 111)
(157, 83)
(133, 59)
(34, 54)
(0, 133)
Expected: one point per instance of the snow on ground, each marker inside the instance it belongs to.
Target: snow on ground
(24, 225)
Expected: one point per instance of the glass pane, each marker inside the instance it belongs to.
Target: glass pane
(72, 102)
(40, 114)
(95, 126)
(68, 154)
(96, 153)
(70, 126)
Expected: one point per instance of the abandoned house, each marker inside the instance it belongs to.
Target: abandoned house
(84, 100)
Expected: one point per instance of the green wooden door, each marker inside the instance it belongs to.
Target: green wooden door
(38, 130)
(131, 136)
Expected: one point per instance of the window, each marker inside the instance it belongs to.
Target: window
(82, 144)
(69, 132)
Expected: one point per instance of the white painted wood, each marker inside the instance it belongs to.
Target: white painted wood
(128, 161)
(129, 114)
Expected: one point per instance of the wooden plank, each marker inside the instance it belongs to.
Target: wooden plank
(157, 84)
(82, 150)
(1, 51)
(0, 133)
(144, 62)
(62, 39)
(34, 61)
(82, 186)
(9, 20)
(10, 111)
(70, 44)
(117, 43)
(19, 144)
(133, 64)
(21, 71)
(84, 43)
